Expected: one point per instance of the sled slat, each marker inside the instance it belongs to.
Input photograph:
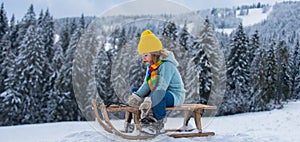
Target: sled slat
(115, 108)
(185, 135)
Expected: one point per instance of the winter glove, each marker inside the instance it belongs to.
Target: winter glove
(145, 107)
(134, 100)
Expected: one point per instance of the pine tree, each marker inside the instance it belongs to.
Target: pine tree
(208, 60)
(296, 72)
(11, 100)
(120, 74)
(65, 36)
(191, 83)
(117, 41)
(3, 21)
(3, 43)
(31, 63)
(12, 105)
(28, 20)
(283, 73)
(137, 68)
(202, 67)
(184, 37)
(13, 35)
(259, 80)
(169, 35)
(103, 78)
(271, 90)
(48, 34)
(83, 73)
(238, 74)
(67, 109)
(254, 45)
(82, 24)
(169, 30)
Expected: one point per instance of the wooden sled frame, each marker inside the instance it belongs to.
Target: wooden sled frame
(134, 113)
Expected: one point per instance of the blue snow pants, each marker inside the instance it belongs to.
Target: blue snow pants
(160, 100)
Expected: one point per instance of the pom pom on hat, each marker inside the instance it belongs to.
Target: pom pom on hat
(149, 43)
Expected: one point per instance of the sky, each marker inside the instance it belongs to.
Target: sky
(74, 8)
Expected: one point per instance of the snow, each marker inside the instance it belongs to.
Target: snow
(277, 126)
(56, 38)
(254, 16)
(225, 30)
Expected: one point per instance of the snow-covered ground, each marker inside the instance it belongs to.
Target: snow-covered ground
(254, 16)
(276, 126)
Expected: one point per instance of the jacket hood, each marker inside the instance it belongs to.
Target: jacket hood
(171, 58)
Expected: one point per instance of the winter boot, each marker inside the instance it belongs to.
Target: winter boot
(128, 127)
(152, 126)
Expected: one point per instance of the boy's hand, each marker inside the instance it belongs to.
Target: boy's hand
(134, 100)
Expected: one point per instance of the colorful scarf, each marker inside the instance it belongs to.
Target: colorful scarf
(152, 76)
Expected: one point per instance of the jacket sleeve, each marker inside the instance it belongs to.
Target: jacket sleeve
(165, 75)
(144, 90)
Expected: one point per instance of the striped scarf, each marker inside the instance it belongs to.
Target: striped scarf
(152, 76)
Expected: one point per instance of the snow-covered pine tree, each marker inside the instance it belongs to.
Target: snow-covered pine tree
(3, 21)
(208, 45)
(169, 31)
(65, 36)
(179, 41)
(283, 83)
(295, 92)
(253, 46)
(169, 38)
(191, 83)
(13, 35)
(238, 75)
(168, 35)
(137, 69)
(3, 42)
(83, 72)
(184, 37)
(188, 71)
(11, 101)
(73, 27)
(48, 34)
(55, 95)
(67, 107)
(117, 40)
(120, 73)
(31, 63)
(103, 78)
(11, 107)
(28, 20)
(259, 80)
(82, 23)
(49, 75)
(271, 74)
(202, 67)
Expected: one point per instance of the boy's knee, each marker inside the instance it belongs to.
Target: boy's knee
(157, 96)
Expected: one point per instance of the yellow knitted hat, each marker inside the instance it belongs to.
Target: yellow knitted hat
(149, 43)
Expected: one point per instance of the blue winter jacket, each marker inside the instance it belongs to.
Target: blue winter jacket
(169, 80)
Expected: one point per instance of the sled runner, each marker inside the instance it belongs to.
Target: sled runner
(134, 113)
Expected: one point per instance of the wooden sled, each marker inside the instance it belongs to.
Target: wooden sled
(134, 113)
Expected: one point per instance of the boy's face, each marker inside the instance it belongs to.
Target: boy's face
(147, 58)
